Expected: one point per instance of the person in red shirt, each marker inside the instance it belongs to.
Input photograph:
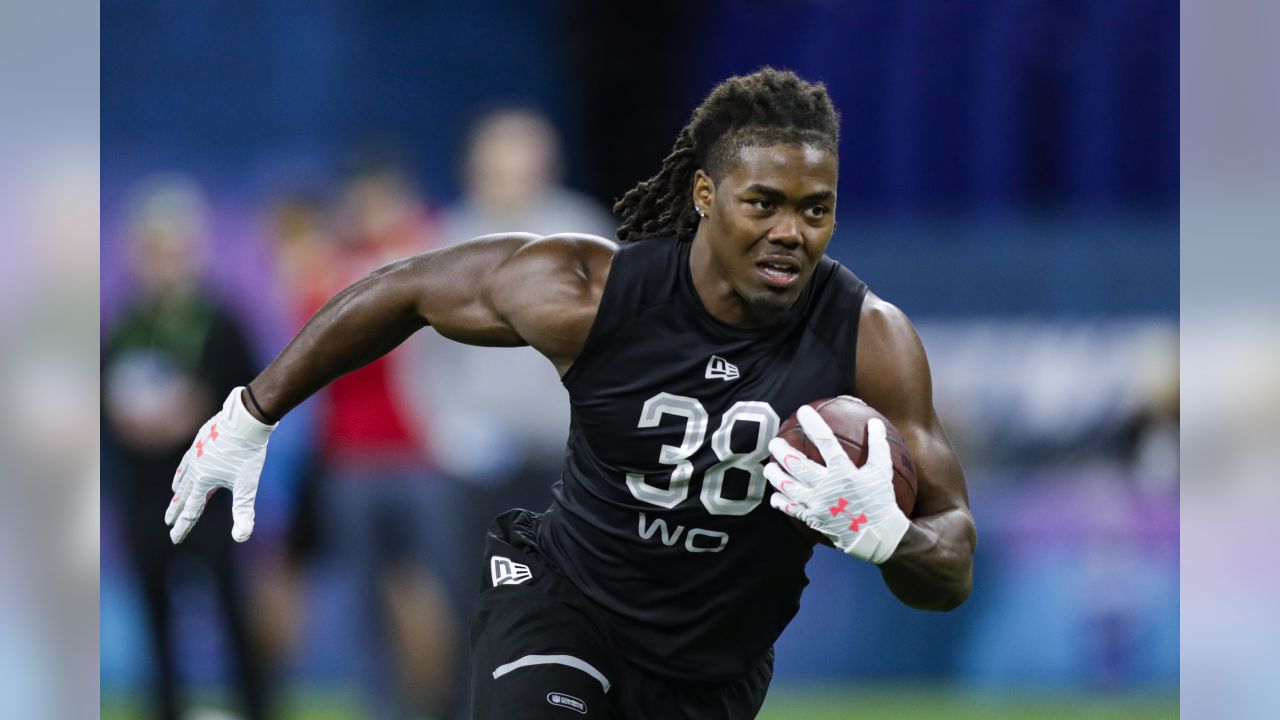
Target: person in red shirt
(381, 492)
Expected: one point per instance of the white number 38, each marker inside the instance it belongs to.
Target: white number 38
(695, 432)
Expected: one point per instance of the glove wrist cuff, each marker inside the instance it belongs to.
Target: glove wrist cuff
(893, 530)
(243, 421)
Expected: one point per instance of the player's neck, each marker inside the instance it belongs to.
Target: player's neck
(717, 293)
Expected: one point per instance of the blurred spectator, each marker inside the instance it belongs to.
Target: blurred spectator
(298, 228)
(507, 402)
(386, 515)
(167, 363)
(511, 179)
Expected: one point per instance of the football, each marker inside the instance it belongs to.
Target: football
(848, 418)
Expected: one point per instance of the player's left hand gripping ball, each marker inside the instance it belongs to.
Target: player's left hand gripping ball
(853, 506)
(228, 452)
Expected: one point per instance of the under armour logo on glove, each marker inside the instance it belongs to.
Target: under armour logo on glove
(839, 509)
(853, 506)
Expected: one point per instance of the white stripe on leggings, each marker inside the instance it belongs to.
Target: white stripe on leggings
(568, 660)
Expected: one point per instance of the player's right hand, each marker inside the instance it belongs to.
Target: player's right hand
(853, 506)
(228, 452)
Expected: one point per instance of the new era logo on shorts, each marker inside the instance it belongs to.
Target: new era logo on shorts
(720, 369)
(567, 701)
(505, 571)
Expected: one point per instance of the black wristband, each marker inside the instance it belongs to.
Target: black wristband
(265, 415)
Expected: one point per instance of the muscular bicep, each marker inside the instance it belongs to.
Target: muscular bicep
(893, 377)
(940, 480)
(516, 289)
(452, 289)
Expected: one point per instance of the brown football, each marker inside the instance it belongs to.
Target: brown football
(848, 418)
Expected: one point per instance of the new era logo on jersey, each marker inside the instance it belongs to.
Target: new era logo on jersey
(720, 369)
(507, 572)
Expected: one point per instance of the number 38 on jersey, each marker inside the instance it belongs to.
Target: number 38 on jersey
(676, 489)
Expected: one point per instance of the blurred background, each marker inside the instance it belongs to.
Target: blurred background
(1009, 178)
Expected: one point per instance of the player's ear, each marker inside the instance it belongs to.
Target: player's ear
(703, 188)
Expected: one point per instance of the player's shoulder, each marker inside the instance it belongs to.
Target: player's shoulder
(574, 261)
(890, 355)
(568, 249)
(881, 313)
(882, 322)
(550, 288)
(567, 258)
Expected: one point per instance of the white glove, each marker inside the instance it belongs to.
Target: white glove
(853, 506)
(228, 452)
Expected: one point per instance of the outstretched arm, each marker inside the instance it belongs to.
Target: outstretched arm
(495, 290)
(932, 567)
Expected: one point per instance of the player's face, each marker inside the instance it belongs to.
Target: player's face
(768, 222)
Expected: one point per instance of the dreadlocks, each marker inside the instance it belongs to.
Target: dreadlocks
(764, 108)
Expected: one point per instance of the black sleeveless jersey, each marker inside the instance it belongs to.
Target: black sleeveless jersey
(661, 516)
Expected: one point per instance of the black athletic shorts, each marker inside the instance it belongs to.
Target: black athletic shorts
(540, 649)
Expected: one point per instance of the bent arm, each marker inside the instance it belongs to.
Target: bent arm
(932, 568)
(497, 290)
